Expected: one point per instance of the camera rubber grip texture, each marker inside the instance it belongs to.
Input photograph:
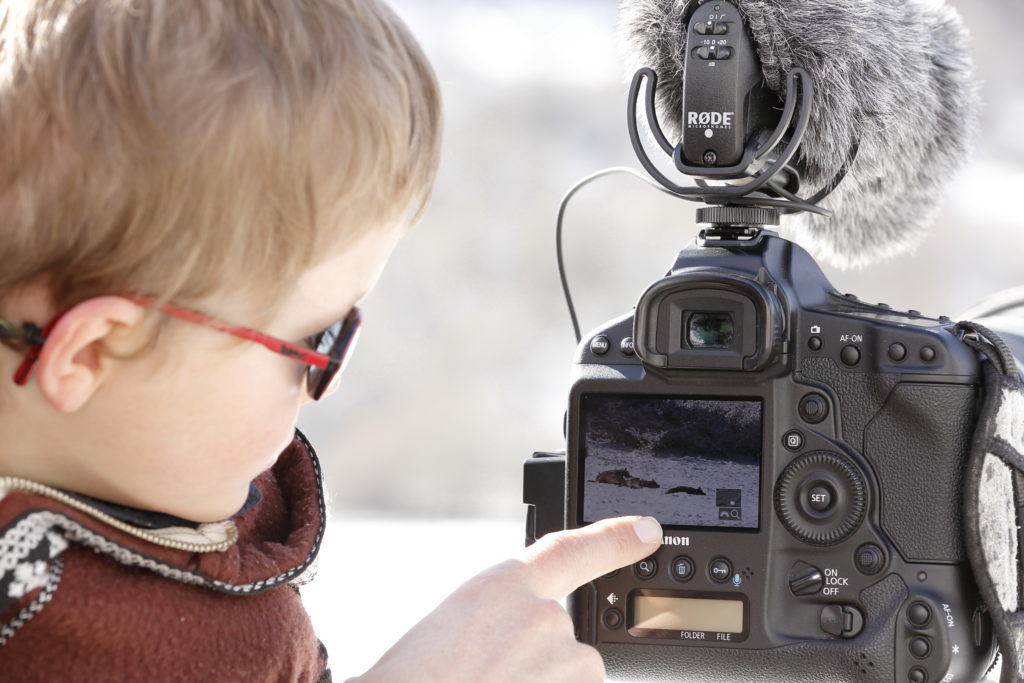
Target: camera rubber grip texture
(918, 446)
(861, 395)
(869, 658)
(916, 438)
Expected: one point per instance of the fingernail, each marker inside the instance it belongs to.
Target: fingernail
(647, 530)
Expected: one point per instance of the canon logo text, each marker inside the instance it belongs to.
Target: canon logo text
(676, 540)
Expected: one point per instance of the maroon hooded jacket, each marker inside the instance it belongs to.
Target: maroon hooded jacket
(85, 596)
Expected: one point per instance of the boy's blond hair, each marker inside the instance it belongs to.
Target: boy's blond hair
(185, 149)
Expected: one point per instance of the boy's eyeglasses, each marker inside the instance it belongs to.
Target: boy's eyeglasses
(327, 355)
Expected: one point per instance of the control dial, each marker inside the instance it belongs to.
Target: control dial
(821, 498)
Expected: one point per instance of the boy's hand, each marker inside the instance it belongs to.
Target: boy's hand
(506, 624)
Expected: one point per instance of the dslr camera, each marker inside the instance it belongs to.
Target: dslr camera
(803, 450)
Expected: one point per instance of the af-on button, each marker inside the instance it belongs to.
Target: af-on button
(850, 355)
(919, 614)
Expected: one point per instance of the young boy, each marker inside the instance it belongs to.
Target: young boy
(194, 197)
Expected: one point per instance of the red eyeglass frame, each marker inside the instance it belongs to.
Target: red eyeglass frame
(329, 362)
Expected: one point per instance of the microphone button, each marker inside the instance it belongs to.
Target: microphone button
(704, 53)
(724, 52)
(720, 29)
(705, 28)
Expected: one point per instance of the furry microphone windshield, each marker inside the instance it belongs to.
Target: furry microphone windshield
(892, 76)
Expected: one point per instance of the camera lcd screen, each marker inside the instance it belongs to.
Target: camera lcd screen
(685, 462)
(687, 614)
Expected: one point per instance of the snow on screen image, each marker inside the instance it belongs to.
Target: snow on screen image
(685, 462)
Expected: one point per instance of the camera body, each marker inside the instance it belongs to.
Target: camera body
(804, 452)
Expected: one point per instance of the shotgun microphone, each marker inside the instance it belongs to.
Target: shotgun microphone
(868, 106)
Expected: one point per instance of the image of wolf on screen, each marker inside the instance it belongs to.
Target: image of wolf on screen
(687, 462)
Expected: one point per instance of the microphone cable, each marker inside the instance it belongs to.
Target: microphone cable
(561, 218)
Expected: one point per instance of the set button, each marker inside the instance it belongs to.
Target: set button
(820, 498)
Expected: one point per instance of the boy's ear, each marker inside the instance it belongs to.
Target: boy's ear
(72, 364)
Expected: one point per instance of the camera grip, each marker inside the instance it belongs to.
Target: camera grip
(916, 437)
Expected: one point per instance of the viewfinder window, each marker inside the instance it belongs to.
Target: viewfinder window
(710, 331)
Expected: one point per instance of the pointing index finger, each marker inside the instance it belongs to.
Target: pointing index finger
(561, 562)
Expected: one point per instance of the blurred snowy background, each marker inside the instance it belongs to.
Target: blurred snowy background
(462, 370)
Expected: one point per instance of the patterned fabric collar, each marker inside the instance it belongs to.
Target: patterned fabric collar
(148, 519)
